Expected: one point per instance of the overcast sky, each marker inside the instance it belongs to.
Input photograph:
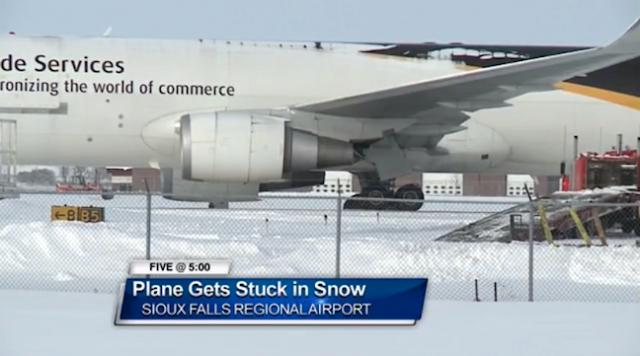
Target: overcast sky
(579, 22)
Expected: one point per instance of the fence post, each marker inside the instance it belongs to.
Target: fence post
(338, 230)
(531, 225)
(148, 247)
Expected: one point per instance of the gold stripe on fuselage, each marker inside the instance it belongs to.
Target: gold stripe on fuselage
(627, 100)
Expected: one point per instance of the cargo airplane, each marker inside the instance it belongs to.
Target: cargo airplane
(227, 119)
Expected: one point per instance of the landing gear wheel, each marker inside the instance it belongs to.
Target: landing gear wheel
(409, 192)
(353, 204)
(377, 192)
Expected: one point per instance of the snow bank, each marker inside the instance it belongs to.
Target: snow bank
(37, 253)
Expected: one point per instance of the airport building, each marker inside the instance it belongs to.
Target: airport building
(133, 179)
(454, 184)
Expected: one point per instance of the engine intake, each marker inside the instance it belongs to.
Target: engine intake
(244, 147)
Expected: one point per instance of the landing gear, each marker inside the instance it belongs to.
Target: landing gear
(376, 189)
(376, 192)
(409, 192)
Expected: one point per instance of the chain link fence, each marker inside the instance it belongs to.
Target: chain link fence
(470, 248)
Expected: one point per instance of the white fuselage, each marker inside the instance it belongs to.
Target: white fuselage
(136, 129)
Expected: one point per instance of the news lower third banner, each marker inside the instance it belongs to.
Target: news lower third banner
(251, 301)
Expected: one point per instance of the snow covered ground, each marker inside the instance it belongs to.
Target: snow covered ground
(295, 236)
(35, 323)
(290, 237)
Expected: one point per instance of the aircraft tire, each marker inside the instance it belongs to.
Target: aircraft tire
(412, 192)
(376, 191)
(350, 204)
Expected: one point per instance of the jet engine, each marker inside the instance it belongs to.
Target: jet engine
(244, 147)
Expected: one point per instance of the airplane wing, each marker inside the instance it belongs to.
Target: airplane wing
(443, 101)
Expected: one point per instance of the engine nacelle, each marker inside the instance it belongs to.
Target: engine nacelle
(244, 147)
(176, 188)
(295, 180)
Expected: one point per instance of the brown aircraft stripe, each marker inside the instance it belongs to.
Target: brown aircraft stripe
(630, 101)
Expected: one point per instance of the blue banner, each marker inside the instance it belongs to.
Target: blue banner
(270, 301)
